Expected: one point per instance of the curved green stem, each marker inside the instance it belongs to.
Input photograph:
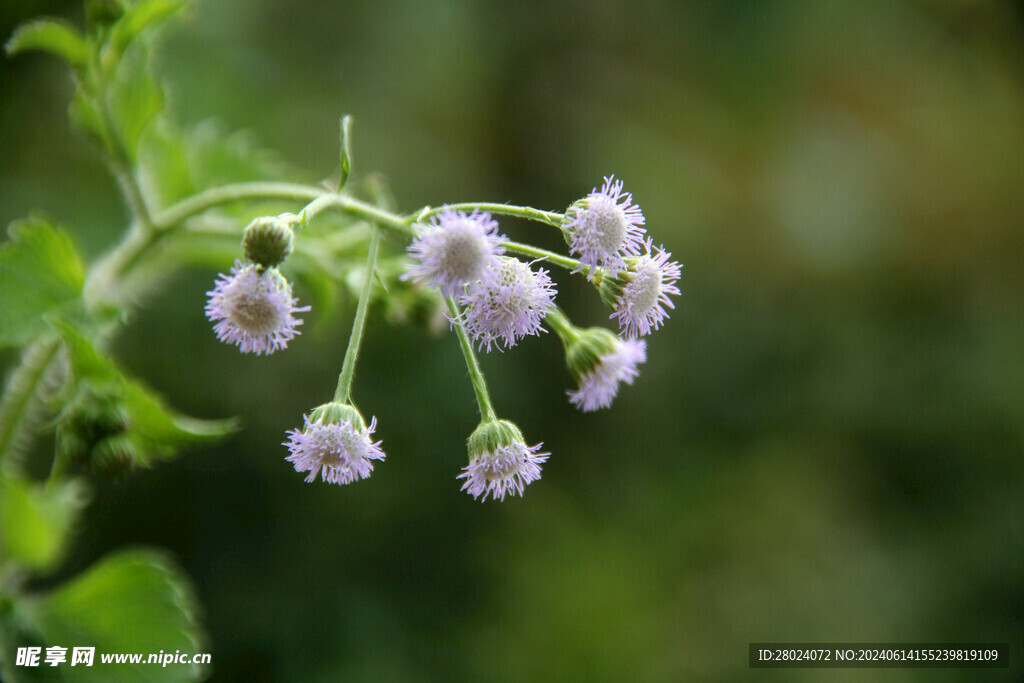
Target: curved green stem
(348, 366)
(546, 217)
(178, 213)
(483, 399)
(354, 207)
(20, 393)
(549, 256)
(559, 322)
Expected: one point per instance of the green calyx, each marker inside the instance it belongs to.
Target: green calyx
(491, 435)
(337, 413)
(610, 285)
(569, 217)
(267, 241)
(584, 353)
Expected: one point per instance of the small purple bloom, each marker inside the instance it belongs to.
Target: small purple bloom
(340, 452)
(454, 249)
(648, 283)
(600, 384)
(254, 310)
(604, 227)
(505, 470)
(507, 305)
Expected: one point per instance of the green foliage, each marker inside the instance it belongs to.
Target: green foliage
(133, 98)
(135, 600)
(40, 273)
(112, 422)
(36, 520)
(51, 35)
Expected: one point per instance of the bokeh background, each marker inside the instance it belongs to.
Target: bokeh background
(825, 443)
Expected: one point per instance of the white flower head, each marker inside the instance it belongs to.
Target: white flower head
(500, 462)
(640, 294)
(334, 443)
(600, 361)
(509, 304)
(454, 249)
(254, 309)
(604, 227)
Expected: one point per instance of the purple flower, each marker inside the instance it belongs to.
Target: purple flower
(508, 304)
(254, 310)
(599, 385)
(641, 293)
(335, 444)
(506, 470)
(454, 249)
(604, 227)
(500, 462)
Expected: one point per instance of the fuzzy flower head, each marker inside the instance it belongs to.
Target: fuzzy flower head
(334, 443)
(640, 294)
(508, 304)
(500, 462)
(599, 361)
(604, 227)
(455, 249)
(254, 309)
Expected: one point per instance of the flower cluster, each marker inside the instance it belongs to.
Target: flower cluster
(496, 295)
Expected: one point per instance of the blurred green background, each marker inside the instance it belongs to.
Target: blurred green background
(825, 443)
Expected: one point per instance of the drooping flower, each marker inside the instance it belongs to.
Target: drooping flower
(599, 361)
(454, 249)
(254, 310)
(334, 443)
(640, 294)
(500, 462)
(604, 227)
(508, 304)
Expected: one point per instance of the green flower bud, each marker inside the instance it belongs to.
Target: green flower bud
(113, 457)
(267, 241)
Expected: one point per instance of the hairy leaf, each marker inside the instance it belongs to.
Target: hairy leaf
(135, 600)
(40, 272)
(151, 430)
(35, 520)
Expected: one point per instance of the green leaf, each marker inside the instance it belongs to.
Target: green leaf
(135, 600)
(40, 272)
(345, 163)
(134, 98)
(51, 35)
(141, 15)
(153, 431)
(35, 520)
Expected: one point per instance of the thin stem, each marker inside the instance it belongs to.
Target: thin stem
(348, 366)
(21, 390)
(562, 326)
(549, 256)
(354, 207)
(546, 217)
(196, 204)
(483, 399)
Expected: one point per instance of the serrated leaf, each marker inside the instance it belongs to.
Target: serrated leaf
(35, 520)
(51, 35)
(155, 430)
(133, 601)
(40, 272)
